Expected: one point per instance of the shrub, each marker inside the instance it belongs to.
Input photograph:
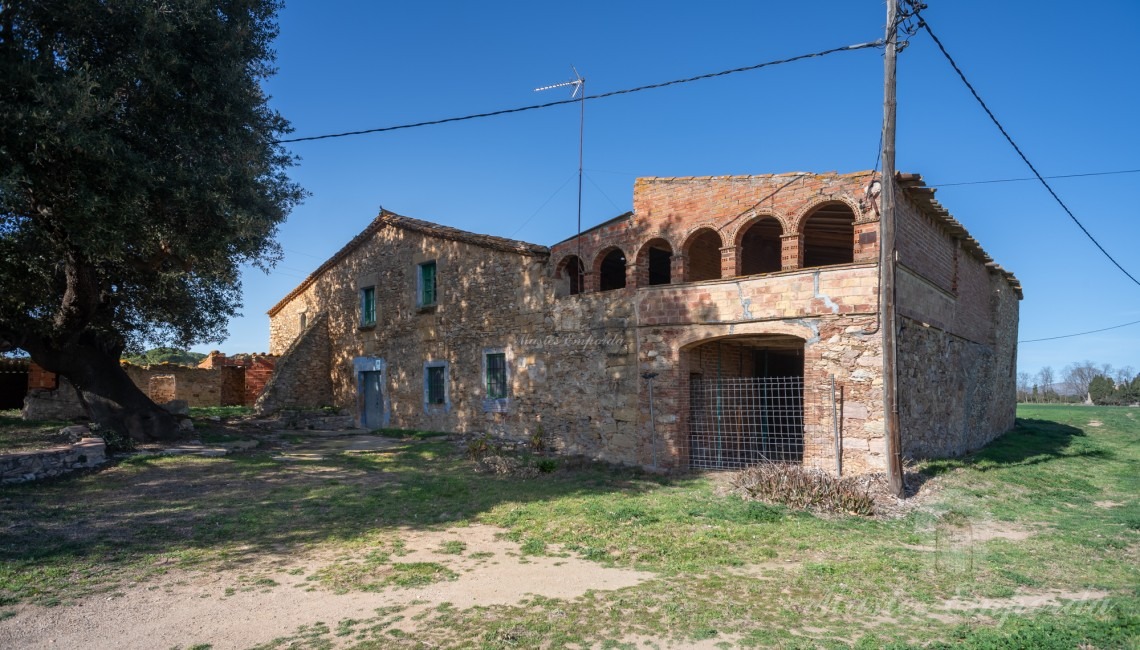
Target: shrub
(116, 441)
(799, 487)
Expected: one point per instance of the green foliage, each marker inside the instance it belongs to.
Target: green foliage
(538, 439)
(139, 172)
(1102, 390)
(220, 411)
(175, 356)
(116, 441)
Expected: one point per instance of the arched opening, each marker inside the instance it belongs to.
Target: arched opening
(760, 247)
(746, 401)
(702, 256)
(611, 271)
(829, 236)
(572, 274)
(655, 262)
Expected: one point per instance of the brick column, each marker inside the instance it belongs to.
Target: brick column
(677, 268)
(636, 277)
(867, 241)
(589, 282)
(730, 261)
(791, 252)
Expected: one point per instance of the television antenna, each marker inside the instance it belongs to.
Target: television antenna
(578, 83)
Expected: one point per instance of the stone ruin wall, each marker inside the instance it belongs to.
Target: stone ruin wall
(957, 342)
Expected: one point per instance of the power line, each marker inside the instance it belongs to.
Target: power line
(612, 93)
(1032, 178)
(925, 25)
(1069, 336)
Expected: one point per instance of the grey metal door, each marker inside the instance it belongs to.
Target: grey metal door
(372, 399)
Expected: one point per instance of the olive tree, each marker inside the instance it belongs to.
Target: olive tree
(139, 170)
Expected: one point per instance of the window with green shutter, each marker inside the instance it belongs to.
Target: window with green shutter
(427, 285)
(496, 375)
(368, 306)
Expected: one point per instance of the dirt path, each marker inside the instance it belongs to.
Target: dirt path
(185, 609)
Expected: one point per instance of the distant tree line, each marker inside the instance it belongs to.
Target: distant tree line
(155, 356)
(1080, 382)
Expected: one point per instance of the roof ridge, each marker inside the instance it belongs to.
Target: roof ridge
(389, 218)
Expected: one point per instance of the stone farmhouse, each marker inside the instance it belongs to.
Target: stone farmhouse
(725, 321)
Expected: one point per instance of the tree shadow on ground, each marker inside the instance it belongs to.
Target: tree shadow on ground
(256, 503)
(1030, 442)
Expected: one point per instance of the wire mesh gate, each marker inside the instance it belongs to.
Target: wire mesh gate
(740, 421)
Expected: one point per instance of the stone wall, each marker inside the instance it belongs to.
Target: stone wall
(33, 465)
(957, 340)
(302, 377)
(575, 362)
(58, 403)
(166, 382)
(243, 376)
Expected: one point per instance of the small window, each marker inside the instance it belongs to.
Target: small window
(435, 384)
(367, 307)
(304, 321)
(496, 375)
(427, 285)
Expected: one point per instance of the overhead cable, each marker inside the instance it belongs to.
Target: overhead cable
(612, 93)
(925, 25)
(1033, 178)
(1069, 336)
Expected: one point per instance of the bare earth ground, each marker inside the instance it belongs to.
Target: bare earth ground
(187, 608)
(268, 595)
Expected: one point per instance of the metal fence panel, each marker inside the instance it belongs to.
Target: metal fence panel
(740, 421)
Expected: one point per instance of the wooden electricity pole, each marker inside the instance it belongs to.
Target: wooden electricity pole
(887, 260)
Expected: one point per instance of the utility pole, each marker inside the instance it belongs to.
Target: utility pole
(887, 260)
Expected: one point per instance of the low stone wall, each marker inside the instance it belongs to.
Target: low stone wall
(60, 403)
(34, 465)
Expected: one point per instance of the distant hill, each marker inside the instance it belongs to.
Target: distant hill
(165, 355)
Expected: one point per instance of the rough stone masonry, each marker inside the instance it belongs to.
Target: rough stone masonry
(765, 285)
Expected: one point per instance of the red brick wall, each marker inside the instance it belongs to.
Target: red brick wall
(674, 209)
(40, 379)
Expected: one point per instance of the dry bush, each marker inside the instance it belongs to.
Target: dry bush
(799, 487)
(505, 466)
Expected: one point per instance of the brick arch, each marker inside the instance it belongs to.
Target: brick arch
(759, 245)
(827, 233)
(653, 267)
(606, 270)
(702, 254)
(746, 223)
(570, 283)
(796, 225)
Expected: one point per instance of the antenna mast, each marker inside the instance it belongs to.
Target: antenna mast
(579, 90)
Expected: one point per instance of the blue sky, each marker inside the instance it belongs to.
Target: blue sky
(1062, 78)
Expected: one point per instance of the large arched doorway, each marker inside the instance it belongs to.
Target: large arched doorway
(746, 401)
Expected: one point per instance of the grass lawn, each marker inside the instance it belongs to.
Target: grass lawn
(18, 435)
(1051, 509)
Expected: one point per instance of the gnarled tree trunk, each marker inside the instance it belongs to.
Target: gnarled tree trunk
(111, 399)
